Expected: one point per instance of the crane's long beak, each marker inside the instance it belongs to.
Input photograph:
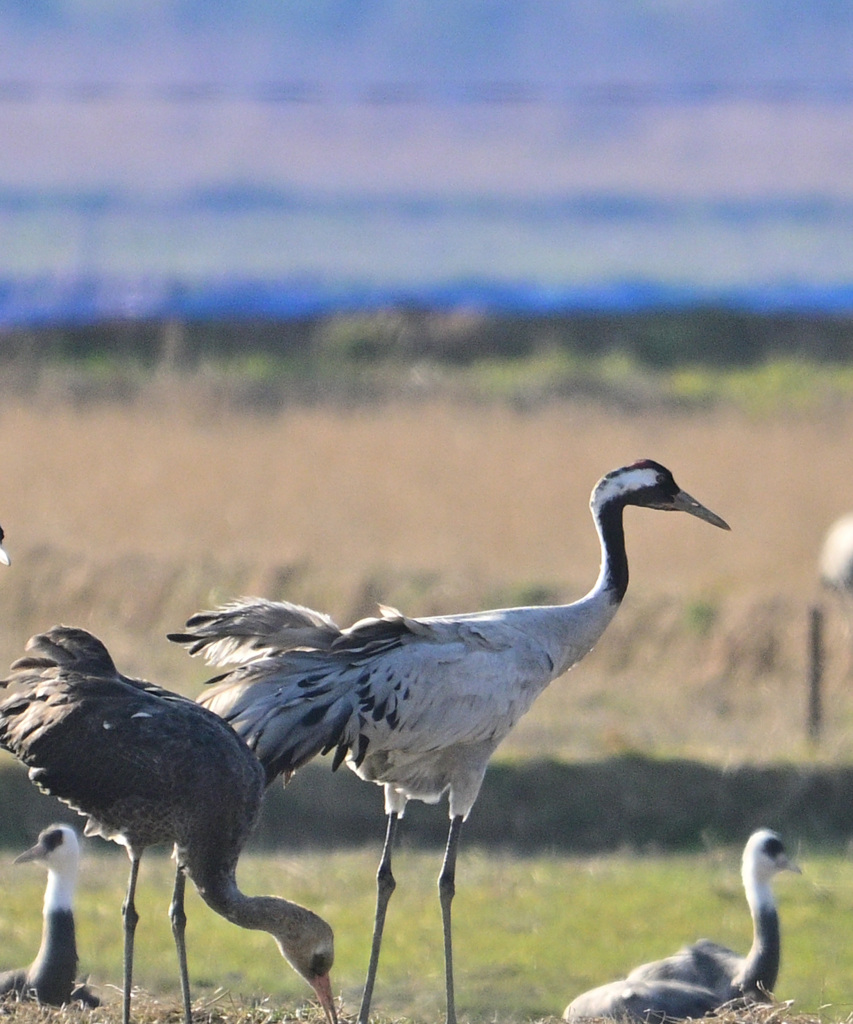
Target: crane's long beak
(789, 865)
(682, 502)
(322, 985)
(37, 852)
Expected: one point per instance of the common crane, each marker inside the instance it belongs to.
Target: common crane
(148, 766)
(415, 705)
(50, 977)
(705, 976)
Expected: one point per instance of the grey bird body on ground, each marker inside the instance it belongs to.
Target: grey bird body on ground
(148, 766)
(703, 977)
(415, 705)
(50, 978)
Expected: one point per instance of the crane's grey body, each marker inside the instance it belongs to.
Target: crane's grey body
(415, 705)
(50, 978)
(147, 766)
(705, 976)
(413, 702)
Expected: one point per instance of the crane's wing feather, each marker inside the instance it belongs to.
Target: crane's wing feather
(704, 963)
(250, 628)
(652, 1002)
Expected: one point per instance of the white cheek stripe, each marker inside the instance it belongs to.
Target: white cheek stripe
(626, 482)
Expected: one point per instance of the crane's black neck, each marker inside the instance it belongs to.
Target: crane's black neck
(53, 970)
(614, 565)
(761, 967)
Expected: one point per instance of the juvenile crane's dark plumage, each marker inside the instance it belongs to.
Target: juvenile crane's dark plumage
(416, 705)
(50, 978)
(148, 766)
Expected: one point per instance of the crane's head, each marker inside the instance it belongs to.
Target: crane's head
(57, 847)
(764, 856)
(4, 557)
(650, 485)
(307, 943)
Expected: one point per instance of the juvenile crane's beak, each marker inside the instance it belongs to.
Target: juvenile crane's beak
(682, 502)
(322, 985)
(37, 852)
(786, 864)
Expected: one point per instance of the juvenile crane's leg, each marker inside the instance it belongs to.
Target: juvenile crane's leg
(446, 892)
(385, 885)
(130, 916)
(179, 926)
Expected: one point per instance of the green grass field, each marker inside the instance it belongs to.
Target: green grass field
(529, 933)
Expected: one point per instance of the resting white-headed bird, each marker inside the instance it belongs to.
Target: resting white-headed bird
(50, 977)
(705, 976)
(415, 705)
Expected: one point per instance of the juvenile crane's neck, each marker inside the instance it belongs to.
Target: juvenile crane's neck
(59, 892)
(304, 939)
(761, 965)
(53, 970)
(270, 914)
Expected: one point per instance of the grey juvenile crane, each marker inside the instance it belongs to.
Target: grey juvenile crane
(705, 976)
(415, 705)
(50, 977)
(148, 766)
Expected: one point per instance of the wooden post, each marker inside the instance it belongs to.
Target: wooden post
(815, 712)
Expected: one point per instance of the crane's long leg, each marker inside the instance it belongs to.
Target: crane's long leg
(130, 916)
(179, 926)
(446, 892)
(385, 885)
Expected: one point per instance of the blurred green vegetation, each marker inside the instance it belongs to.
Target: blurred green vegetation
(531, 806)
(696, 358)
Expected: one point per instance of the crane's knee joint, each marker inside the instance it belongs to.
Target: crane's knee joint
(446, 887)
(177, 916)
(385, 881)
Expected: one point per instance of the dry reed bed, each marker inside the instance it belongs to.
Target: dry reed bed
(125, 517)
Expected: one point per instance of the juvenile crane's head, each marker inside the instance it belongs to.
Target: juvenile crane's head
(649, 485)
(764, 856)
(58, 849)
(307, 943)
